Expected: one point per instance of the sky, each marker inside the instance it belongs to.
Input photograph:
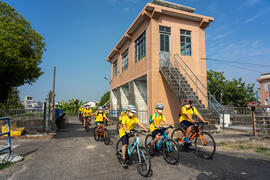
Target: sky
(79, 35)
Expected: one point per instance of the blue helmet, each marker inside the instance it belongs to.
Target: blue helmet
(159, 106)
(131, 108)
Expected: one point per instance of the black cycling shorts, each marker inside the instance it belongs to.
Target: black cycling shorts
(124, 139)
(155, 132)
(186, 124)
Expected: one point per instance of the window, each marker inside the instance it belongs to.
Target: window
(164, 38)
(115, 69)
(185, 39)
(140, 47)
(125, 61)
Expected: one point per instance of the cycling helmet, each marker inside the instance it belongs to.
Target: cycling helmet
(131, 108)
(100, 108)
(189, 101)
(159, 106)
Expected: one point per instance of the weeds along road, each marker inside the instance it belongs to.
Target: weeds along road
(74, 154)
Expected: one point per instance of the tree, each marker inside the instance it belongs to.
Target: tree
(21, 50)
(105, 98)
(234, 92)
(13, 101)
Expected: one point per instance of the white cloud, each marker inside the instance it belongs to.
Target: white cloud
(250, 3)
(125, 9)
(261, 13)
(222, 35)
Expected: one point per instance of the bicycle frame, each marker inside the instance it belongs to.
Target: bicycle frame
(193, 136)
(164, 138)
(135, 144)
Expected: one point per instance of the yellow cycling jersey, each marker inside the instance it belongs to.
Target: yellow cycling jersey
(158, 118)
(129, 122)
(192, 110)
(122, 115)
(100, 116)
(80, 109)
(87, 112)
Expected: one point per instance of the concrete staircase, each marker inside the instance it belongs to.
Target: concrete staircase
(178, 77)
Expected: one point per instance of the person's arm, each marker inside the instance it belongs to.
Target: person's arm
(142, 126)
(125, 129)
(154, 120)
(201, 118)
(188, 116)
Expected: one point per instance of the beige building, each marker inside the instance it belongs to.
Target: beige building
(161, 58)
(264, 81)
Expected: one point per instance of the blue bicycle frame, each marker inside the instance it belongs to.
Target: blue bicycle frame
(164, 138)
(135, 144)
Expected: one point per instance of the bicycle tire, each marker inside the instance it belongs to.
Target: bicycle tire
(143, 165)
(96, 134)
(176, 133)
(106, 136)
(148, 140)
(173, 156)
(119, 150)
(200, 150)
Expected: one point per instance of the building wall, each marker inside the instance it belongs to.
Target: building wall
(264, 91)
(161, 92)
(157, 87)
(135, 70)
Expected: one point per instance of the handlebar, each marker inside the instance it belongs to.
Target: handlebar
(165, 128)
(133, 132)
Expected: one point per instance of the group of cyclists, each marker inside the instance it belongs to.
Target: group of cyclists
(128, 119)
(85, 114)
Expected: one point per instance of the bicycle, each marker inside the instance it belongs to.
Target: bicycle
(137, 151)
(88, 119)
(205, 145)
(118, 126)
(102, 132)
(168, 146)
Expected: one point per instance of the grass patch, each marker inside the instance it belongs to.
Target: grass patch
(5, 165)
(263, 150)
(235, 146)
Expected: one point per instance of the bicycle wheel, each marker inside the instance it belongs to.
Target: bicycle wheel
(178, 135)
(106, 137)
(148, 141)
(143, 161)
(96, 134)
(170, 151)
(119, 145)
(205, 145)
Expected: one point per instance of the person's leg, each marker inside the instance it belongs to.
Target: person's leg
(155, 140)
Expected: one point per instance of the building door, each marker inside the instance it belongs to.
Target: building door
(164, 45)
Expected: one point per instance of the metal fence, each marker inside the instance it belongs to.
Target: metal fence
(7, 121)
(29, 119)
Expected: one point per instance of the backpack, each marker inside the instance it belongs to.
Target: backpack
(151, 118)
(180, 114)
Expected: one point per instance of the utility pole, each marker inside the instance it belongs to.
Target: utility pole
(53, 102)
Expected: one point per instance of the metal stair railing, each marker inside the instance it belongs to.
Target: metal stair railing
(179, 80)
(217, 108)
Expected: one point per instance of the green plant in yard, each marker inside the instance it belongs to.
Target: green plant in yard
(5, 165)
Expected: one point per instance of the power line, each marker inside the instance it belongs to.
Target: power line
(244, 68)
(236, 62)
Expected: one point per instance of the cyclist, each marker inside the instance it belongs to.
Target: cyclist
(123, 113)
(80, 111)
(128, 122)
(100, 117)
(157, 118)
(185, 119)
(87, 113)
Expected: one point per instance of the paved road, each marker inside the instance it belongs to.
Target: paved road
(74, 154)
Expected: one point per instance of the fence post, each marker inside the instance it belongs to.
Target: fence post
(44, 116)
(254, 120)
(49, 113)
(9, 141)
